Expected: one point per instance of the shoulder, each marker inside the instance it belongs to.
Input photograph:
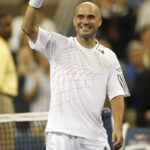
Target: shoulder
(107, 52)
(51, 35)
(59, 36)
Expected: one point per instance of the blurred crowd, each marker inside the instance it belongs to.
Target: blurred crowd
(125, 30)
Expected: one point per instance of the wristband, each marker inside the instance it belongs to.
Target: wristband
(35, 3)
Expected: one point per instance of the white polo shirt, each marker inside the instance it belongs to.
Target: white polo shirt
(80, 80)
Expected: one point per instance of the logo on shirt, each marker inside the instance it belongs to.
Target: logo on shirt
(119, 69)
(101, 51)
(123, 82)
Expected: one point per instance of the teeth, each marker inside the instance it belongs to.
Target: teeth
(85, 27)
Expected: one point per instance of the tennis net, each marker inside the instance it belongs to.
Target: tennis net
(23, 131)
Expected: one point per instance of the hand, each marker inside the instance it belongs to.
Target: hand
(117, 139)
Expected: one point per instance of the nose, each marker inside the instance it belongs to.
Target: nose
(85, 20)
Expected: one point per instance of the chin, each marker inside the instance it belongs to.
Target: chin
(87, 36)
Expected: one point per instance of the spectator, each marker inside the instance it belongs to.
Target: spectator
(8, 78)
(142, 87)
(20, 103)
(145, 40)
(134, 67)
(37, 86)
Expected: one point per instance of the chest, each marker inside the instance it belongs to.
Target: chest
(78, 66)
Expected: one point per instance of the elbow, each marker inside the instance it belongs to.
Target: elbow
(26, 30)
(30, 32)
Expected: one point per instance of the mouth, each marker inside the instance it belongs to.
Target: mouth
(87, 27)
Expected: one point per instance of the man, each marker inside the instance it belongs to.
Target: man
(82, 73)
(8, 76)
(8, 80)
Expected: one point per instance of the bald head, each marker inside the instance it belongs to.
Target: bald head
(91, 5)
(87, 20)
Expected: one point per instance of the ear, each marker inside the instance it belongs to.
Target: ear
(100, 23)
(74, 21)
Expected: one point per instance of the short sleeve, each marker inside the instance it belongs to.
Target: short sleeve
(41, 42)
(49, 43)
(116, 83)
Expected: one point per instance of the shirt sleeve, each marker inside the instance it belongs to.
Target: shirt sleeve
(116, 83)
(48, 43)
(41, 42)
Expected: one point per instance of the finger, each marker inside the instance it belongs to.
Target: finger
(117, 145)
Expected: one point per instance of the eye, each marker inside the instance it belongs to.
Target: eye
(80, 16)
(91, 17)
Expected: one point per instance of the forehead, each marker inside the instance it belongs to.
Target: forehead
(87, 9)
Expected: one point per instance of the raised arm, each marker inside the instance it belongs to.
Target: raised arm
(117, 106)
(30, 24)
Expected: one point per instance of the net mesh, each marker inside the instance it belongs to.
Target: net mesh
(23, 131)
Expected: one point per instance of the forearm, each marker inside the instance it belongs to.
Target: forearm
(30, 23)
(117, 106)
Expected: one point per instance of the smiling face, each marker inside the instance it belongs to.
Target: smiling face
(87, 20)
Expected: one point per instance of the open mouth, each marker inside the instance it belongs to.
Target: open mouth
(85, 27)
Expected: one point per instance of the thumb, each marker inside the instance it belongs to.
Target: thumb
(114, 138)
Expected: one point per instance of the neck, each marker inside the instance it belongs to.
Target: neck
(87, 43)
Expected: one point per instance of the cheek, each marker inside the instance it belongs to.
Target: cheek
(77, 24)
(78, 21)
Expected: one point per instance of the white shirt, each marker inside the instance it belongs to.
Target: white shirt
(80, 79)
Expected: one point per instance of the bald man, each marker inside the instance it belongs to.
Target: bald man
(83, 72)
